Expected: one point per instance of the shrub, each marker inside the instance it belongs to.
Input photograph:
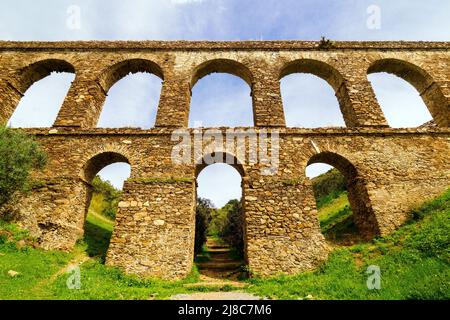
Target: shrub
(110, 194)
(19, 155)
(202, 219)
(233, 231)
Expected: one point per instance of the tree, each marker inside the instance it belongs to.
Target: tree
(202, 220)
(110, 195)
(233, 231)
(19, 155)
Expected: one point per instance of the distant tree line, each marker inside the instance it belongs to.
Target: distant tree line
(110, 196)
(226, 223)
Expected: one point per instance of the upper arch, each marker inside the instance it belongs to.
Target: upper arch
(223, 157)
(121, 69)
(224, 66)
(318, 68)
(420, 79)
(409, 72)
(329, 74)
(41, 69)
(97, 162)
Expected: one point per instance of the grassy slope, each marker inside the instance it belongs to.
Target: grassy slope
(35, 266)
(414, 263)
(38, 269)
(334, 211)
(98, 228)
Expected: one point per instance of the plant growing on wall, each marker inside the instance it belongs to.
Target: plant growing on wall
(19, 155)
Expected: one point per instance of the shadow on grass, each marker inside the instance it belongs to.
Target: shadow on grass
(344, 232)
(97, 240)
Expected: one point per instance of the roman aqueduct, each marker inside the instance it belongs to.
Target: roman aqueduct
(388, 170)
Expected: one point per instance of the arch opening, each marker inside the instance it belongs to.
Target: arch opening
(407, 94)
(44, 86)
(342, 201)
(318, 88)
(132, 91)
(224, 97)
(220, 244)
(105, 174)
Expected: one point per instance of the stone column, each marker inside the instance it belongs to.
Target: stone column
(82, 105)
(266, 96)
(282, 227)
(364, 217)
(357, 99)
(9, 99)
(54, 212)
(173, 108)
(393, 197)
(155, 228)
(437, 98)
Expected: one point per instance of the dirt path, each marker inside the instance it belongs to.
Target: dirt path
(221, 270)
(78, 259)
(221, 266)
(234, 295)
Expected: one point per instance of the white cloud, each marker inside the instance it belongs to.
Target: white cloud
(315, 169)
(41, 103)
(116, 174)
(185, 1)
(400, 102)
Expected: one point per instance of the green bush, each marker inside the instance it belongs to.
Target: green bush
(233, 231)
(202, 220)
(110, 194)
(19, 155)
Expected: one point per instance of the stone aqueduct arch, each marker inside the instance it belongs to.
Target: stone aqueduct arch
(388, 170)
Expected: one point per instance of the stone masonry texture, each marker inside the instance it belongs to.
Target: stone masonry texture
(389, 171)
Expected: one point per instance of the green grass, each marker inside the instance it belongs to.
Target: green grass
(41, 277)
(101, 282)
(414, 263)
(336, 220)
(97, 229)
(334, 211)
(34, 266)
(97, 234)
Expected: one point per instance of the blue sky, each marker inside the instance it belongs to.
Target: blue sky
(221, 99)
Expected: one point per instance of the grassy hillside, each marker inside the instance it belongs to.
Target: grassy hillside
(414, 263)
(328, 186)
(98, 228)
(335, 214)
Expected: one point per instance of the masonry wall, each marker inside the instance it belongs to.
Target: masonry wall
(155, 224)
(390, 170)
(98, 65)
